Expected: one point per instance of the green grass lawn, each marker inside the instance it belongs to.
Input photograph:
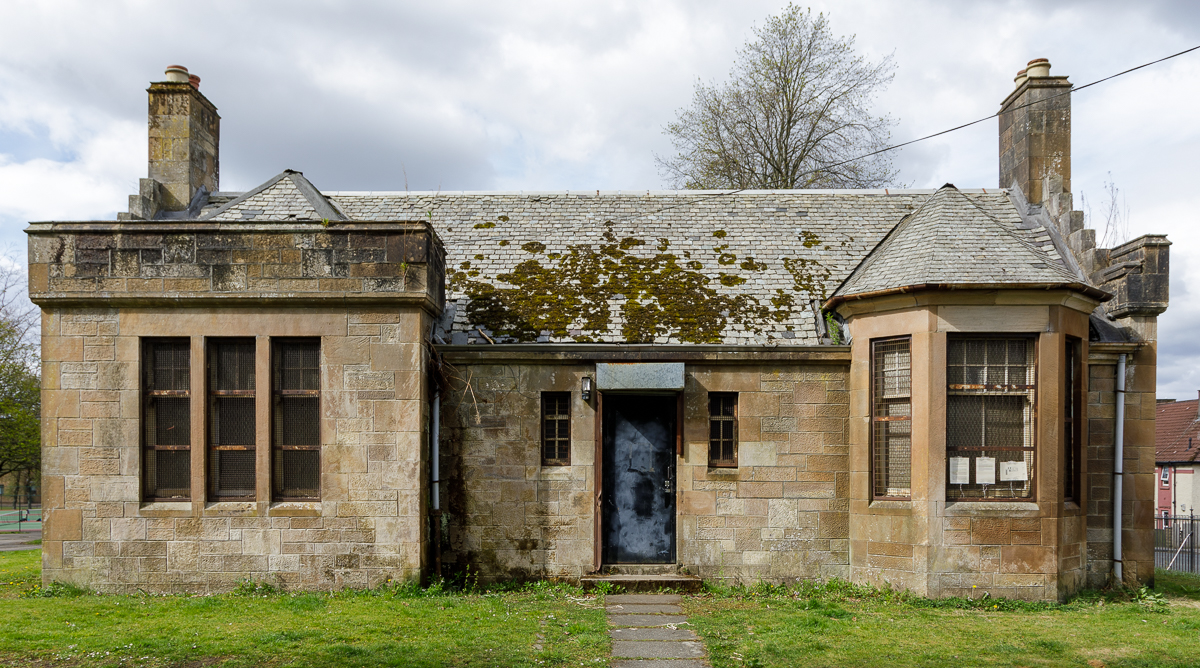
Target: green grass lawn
(397, 627)
(843, 625)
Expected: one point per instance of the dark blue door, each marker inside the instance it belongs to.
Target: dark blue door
(638, 518)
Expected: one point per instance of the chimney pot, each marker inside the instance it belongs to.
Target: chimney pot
(177, 73)
(194, 80)
(1020, 78)
(1038, 68)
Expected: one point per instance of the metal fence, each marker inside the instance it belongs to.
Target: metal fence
(21, 520)
(1175, 545)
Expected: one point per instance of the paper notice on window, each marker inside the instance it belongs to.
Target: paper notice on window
(1013, 471)
(960, 471)
(985, 470)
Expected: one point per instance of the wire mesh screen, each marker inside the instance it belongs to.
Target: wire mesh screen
(297, 474)
(990, 418)
(891, 418)
(556, 428)
(231, 474)
(232, 418)
(168, 474)
(296, 434)
(166, 419)
(232, 421)
(722, 429)
(169, 367)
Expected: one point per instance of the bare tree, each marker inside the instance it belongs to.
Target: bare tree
(794, 112)
(20, 396)
(1115, 213)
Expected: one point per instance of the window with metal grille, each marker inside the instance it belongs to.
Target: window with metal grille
(166, 420)
(296, 414)
(231, 419)
(1073, 421)
(722, 429)
(556, 428)
(990, 418)
(891, 418)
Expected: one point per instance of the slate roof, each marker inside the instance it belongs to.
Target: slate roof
(951, 239)
(287, 196)
(678, 266)
(1176, 431)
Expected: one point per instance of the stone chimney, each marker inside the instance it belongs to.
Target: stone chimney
(1035, 131)
(185, 133)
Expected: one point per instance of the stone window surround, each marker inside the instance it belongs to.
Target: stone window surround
(929, 319)
(263, 440)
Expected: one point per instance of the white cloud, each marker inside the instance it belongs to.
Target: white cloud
(546, 95)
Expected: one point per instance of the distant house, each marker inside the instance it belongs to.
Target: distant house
(328, 389)
(1176, 442)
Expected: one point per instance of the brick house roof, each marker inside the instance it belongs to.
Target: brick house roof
(753, 267)
(1176, 431)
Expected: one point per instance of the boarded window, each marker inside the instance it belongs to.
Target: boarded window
(722, 429)
(990, 418)
(296, 414)
(556, 428)
(891, 418)
(231, 419)
(166, 419)
(1073, 421)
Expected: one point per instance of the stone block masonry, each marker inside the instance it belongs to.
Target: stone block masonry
(108, 288)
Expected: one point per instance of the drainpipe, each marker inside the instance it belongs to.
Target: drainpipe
(1119, 470)
(435, 456)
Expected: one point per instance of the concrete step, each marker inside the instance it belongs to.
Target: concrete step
(644, 583)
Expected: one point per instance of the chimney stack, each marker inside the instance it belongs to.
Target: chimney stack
(1035, 140)
(185, 133)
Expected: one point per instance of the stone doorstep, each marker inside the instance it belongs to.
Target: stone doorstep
(644, 583)
(650, 637)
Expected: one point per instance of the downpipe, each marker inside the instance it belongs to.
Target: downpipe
(1119, 472)
(435, 456)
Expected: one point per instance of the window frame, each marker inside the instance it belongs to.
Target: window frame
(561, 442)
(1073, 418)
(721, 462)
(212, 396)
(875, 419)
(147, 395)
(1032, 389)
(1165, 478)
(277, 394)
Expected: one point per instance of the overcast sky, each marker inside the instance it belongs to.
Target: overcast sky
(573, 95)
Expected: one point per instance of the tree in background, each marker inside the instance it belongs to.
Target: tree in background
(796, 108)
(20, 387)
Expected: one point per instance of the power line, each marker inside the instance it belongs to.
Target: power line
(938, 134)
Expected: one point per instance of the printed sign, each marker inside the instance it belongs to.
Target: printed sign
(1013, 471)
(960, 471)
(985, 470)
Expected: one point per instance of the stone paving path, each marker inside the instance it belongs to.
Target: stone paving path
(650, 631)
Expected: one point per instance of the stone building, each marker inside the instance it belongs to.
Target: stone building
(327, 389)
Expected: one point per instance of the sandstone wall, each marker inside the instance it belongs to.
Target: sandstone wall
(781, 515)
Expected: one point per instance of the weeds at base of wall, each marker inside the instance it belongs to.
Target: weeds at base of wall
(55, 589)
(837, 590)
